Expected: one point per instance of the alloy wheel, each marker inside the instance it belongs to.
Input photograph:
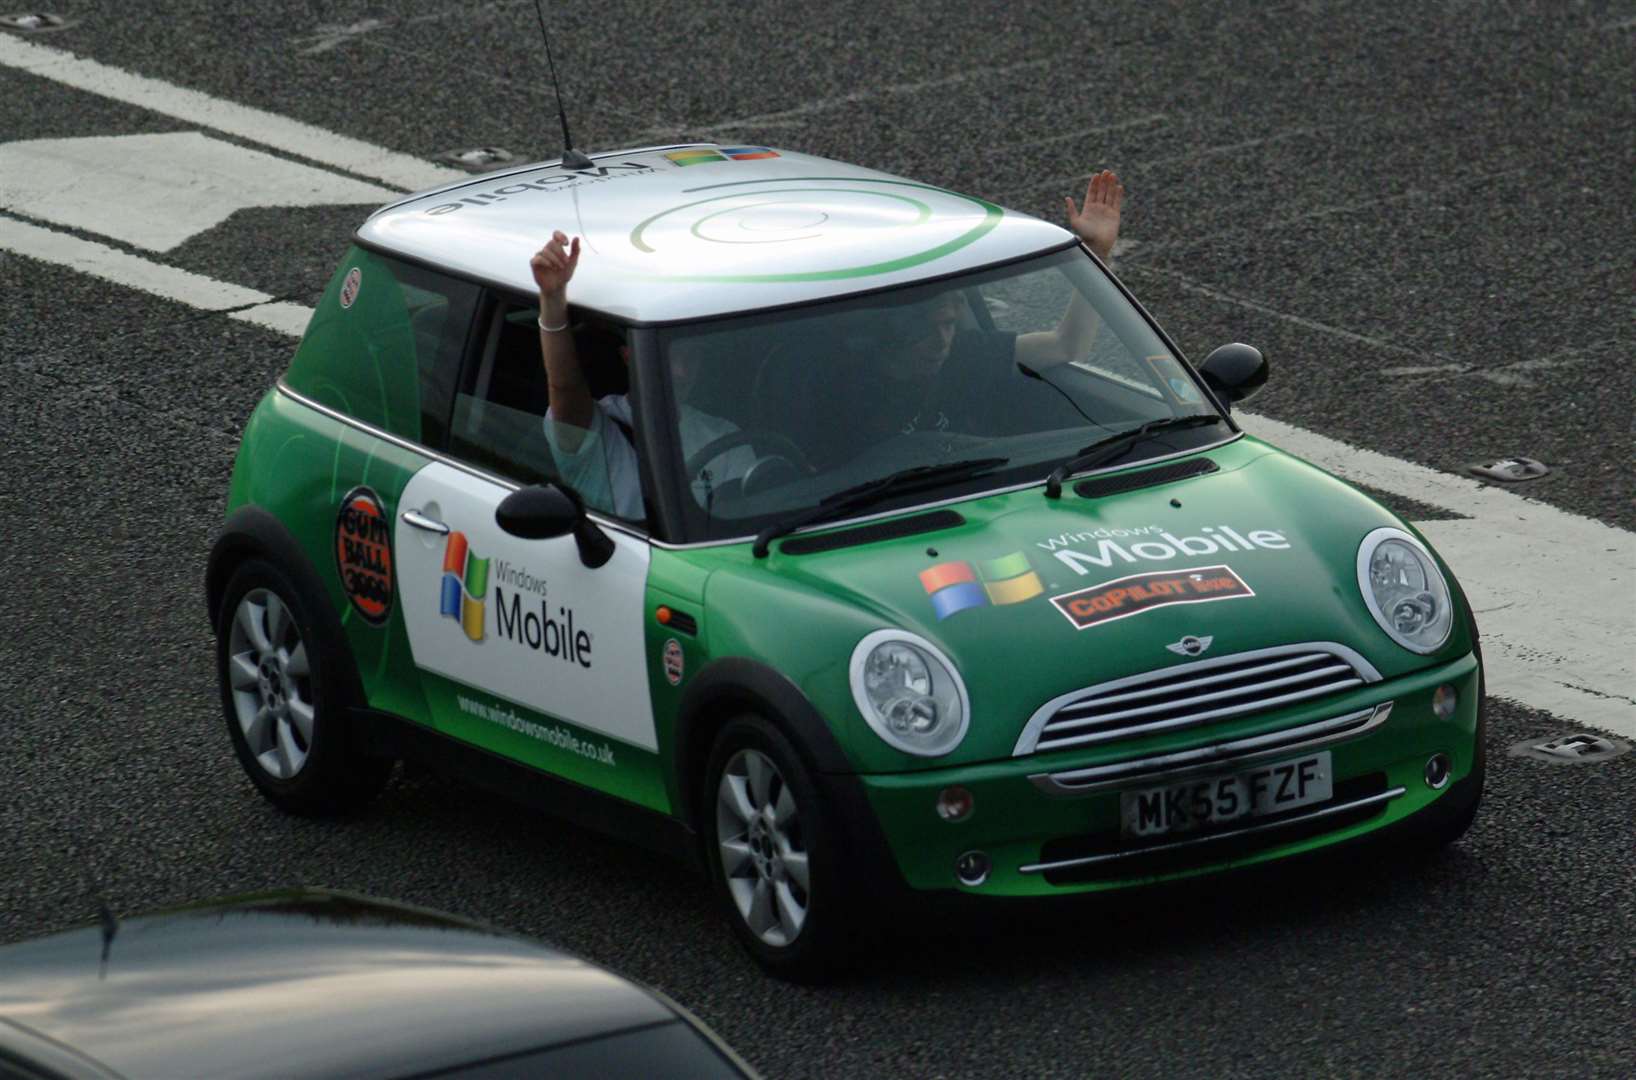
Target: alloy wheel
(763, 850)
(271, 680)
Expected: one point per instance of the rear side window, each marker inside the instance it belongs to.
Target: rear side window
(384, 345)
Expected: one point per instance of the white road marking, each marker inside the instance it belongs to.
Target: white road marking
(797, 113)
(255, 125)
(1103, 129)
(1515, 374)
(1019, 193)
(1555, 593)
(1227, 148)
(133, 271)
(1299, 320)
(328, 36)
(157, 191)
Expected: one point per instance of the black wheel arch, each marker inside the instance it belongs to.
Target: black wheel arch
(251, 532)
(733, 686)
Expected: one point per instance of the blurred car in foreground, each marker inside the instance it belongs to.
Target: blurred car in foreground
(311, 983)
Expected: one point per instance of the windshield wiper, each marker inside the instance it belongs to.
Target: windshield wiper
(1105, 450)
(872, 491)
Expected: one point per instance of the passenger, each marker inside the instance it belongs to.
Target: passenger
(590, 437)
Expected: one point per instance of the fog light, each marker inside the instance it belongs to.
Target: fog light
(1438, 767)
(954, 804)
(1444, 699)
(972, 868)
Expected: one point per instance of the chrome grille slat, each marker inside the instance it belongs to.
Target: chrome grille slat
(1187, 684)
(1181, 722)
(1077, 720)
(1192, 694)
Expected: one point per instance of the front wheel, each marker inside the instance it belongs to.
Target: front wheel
(284, 698)
(771, 861)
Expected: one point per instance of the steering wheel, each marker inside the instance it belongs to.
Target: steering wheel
(786, 452)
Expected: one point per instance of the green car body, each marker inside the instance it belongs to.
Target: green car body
(1209, 566)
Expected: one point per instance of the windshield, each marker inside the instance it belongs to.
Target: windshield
(1028, 363)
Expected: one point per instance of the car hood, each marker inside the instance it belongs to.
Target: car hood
(1032, 598)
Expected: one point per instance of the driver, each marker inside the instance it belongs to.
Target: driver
(591, 437)
(936, 374)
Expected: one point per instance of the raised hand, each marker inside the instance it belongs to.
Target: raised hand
(1096, 221)
(553, 265)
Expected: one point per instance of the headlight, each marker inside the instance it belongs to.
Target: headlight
(909, 693)
(1404, 591)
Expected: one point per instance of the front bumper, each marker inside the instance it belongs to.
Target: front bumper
(1044, 837)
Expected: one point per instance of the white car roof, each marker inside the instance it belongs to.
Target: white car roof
(686, 232)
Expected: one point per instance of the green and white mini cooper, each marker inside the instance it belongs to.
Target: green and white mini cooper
(902, 554)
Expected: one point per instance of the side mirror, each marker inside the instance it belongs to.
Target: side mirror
(545, 511)
(1235, 372)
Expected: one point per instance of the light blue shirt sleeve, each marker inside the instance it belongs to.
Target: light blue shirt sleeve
(602, 467)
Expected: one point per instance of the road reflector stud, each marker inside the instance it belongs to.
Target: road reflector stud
(1510, 470)
(34, 22)
(479, 159)
(1572, 749)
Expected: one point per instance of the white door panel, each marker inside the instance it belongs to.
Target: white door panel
(524, 620)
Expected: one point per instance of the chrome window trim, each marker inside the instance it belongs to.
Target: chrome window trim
(1218, 757)
(1328, 811)
(1028, 742)
(441, 458)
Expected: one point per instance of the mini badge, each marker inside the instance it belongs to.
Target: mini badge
(350, 287)
(363, 554)
(1144, 592)
(675, 665)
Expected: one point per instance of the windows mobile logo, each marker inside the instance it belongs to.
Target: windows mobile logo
(465, 586)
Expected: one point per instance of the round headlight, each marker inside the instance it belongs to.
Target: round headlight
(1404, 591)
(909, 693)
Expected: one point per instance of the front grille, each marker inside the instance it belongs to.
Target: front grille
(1194, 694)
(1110, 856)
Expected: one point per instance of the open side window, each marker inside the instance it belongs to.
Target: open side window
(500, 404)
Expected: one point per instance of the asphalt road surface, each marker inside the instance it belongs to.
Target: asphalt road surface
(1421, 213)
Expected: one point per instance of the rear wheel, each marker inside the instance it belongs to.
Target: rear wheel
(285, 699)
(771, 860)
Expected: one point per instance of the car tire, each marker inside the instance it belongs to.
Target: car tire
(773, 864)
(285, 696)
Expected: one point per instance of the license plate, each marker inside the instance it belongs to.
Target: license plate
(1197, 804)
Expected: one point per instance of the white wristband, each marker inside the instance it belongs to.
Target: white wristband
(551, 329)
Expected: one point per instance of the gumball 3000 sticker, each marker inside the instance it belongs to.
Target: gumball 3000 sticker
(363, 554)
(350, 287)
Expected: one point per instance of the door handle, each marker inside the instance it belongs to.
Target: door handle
(421, 521)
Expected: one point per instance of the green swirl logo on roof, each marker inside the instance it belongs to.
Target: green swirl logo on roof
(847, 212)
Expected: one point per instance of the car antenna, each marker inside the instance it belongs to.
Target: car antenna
(571, 158)
(105, 914)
